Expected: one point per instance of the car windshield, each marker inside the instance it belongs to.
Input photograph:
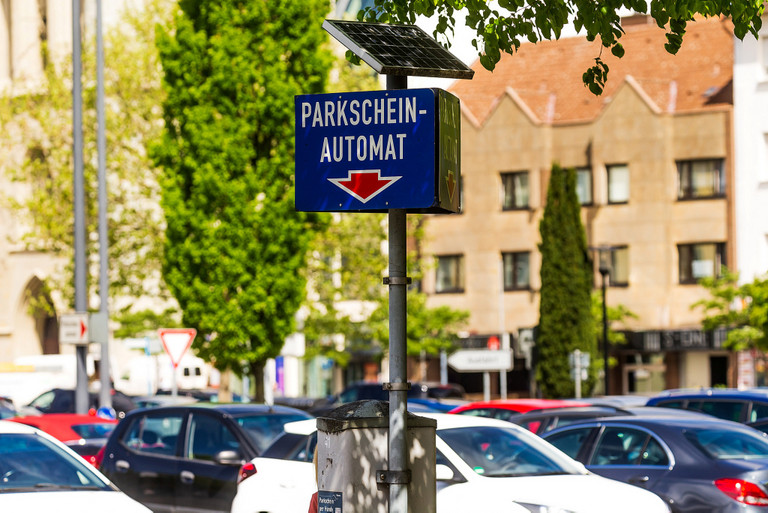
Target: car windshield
(722, 444)
(30, 462)
(501, 452)
(93, 430)
(262, 428)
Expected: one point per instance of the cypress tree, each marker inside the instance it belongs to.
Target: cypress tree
(565, 321)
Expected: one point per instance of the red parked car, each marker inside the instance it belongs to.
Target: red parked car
(84, 434)
(505, 408)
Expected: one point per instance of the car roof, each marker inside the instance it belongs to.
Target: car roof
(444, 421)
(723, 393)
(528, 404)
(233, 409)
(680, 422)
(6, 427)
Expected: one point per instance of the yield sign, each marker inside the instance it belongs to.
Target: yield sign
(364, 184)
(176, 342)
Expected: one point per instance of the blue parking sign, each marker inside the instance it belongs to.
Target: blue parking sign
(373, 151)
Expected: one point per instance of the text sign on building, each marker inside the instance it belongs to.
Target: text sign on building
(378, 150)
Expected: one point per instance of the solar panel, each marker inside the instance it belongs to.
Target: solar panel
(397, 49)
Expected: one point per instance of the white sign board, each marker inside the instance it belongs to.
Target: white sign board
(176, 342)
(73, 328)
(481, 360)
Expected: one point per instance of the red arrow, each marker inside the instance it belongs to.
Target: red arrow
(364, 184)
(83, 329)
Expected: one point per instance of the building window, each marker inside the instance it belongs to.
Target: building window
(700, 179)
(584, 185)
(516, 270)
(618, 183)
(515, 190)
(450, 273)
(702, 260)
(616, 260)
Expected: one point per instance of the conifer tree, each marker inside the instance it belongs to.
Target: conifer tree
(565, 319)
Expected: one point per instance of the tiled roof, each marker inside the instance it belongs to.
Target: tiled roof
(546, 77)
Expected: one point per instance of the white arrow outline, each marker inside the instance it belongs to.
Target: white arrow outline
(337, 182)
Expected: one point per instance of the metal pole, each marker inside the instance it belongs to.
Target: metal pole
(503, 329)
(486, 386)
(105, 395)
(603, 273)
(577, 374)
(81, 293)
(398, 397)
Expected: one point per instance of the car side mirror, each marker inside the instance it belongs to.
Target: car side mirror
(228, 457)
(443, 473)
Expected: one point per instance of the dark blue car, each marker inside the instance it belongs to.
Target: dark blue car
(696, 464)
(724, 403)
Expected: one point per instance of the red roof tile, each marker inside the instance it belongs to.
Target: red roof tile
(546, 76)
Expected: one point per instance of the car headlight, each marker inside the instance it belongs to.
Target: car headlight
(540, 508)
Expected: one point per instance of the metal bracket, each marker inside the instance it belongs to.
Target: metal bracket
(397, 387)
(397, 280)
(389, 477)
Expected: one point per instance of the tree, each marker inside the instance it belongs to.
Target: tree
(502, 26)
(614, 314)
(565, 319)
(235, 247)
(40, 123)
(741, 308)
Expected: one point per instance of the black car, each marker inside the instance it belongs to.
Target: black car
(187, 457)
(696, 464)
(365, 390)
(62, 400)
(541, 421)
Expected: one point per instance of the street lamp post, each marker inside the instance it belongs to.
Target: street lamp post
(604, 270)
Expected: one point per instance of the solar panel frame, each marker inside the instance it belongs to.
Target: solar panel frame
(404, 50)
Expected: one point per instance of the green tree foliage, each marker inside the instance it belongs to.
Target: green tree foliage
(616, 314)
(742, 308)
(565, 318)
(40, 123)
(235, 246)
(503, 25)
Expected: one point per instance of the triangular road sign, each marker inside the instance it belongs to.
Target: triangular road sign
(176, 342)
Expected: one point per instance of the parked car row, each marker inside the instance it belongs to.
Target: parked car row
(240, 457)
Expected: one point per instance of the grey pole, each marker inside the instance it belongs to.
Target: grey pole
(81, 293)
(105, 395)
(504, 335)
(398, 397)
(603, 273)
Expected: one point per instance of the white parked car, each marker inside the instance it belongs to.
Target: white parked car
(483, 464)
(40, 473)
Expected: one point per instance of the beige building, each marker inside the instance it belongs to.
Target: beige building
(654, 164)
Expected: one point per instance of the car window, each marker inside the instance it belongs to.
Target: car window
(722, 409)
(725, 444)
(498, 452)
(43, 401)
(156, 434)
(619, 446)
(671, 404)
(759, 410)
(93, 430)
(571, 441)
(263, 428)
(208, 436)
(32, 463)
(478, 412)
